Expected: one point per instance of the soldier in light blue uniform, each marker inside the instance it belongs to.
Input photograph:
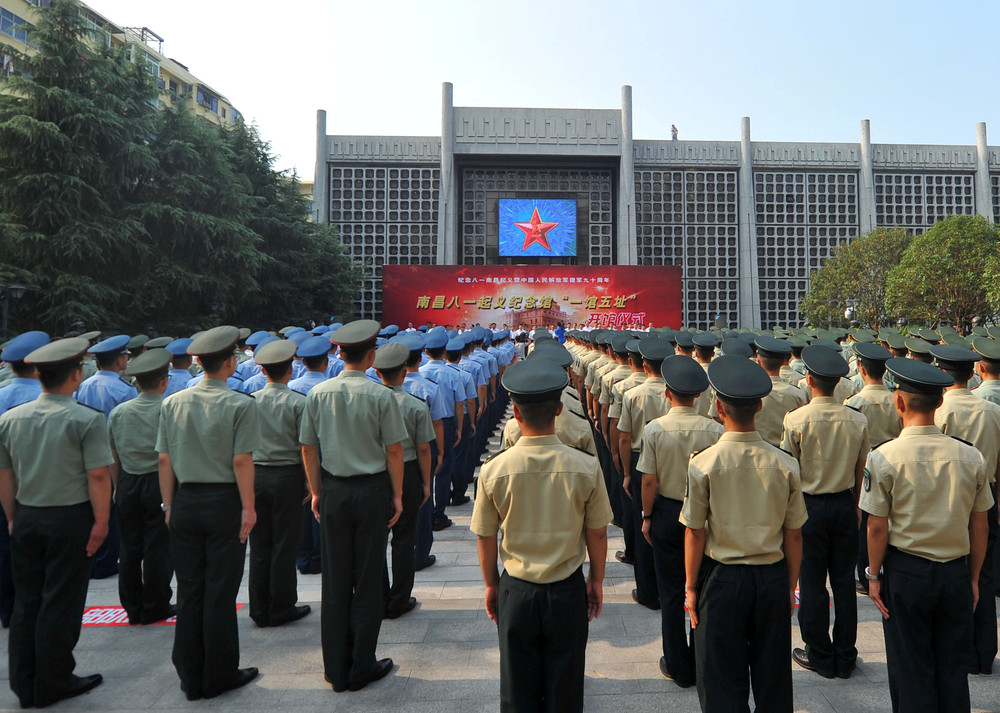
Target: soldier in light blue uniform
(298, 338)
(258, 380)
(458, 349)
(178, 376)
(313, 354)
(248, 368)
(105, 389)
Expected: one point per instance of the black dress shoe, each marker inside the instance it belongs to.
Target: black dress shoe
(162, 616)
(431, 559)
(654, 605)
(624, 558)
(410, 605)
(460, 500)
(243, 677)
(800, 657)
(77, 687)
(296, 614)
(381, 670)
(846, 671)
(441, 524)
(337, 687)
(666, 674)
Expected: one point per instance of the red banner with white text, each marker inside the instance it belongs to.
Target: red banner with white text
(536, 295)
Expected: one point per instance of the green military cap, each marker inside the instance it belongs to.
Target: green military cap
(655, 348)
(926, 334)
(91, 336)
(868, 352)
(619, 343)
(988, 348)
(772, 347)
(918, 345)
(738, 380)
(949, 356)
(736, 347)
(917, 377)
(137, 341)
(864, 336)
(957, 340)
(797, 342)
(150, 362)
(216, 340)
(276, 352)
(244, 333)
(893, 339)
(993, 332)
(946, 329)
(159, 342)
(827, 344)
(706, 340)
(391, 356)
(553, 351)
(196, 335)
(684, 376)
(685, 340)
(58, 352)
(284, 330)
(824, 363)
(356, 333)
(534, 380)
(980, 331)
(633, 347)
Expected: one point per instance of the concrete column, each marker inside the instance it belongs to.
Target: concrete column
(447, 249)
(321, 176)
(628, 253)
(749, 295)
(984, 196)
(867, 216)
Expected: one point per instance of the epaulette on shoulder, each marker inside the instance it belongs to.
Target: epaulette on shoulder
(883, 443)
(853, 408)
(700, 450)
(796, 408)
(502, 450)
(122, 379)
(91, 407)
(963, 441)
(785, 452)
(582, 450)
(299, 393)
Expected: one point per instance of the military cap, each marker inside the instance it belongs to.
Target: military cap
(57, 352)
(299, 338)
(313, 347)
(356, 333)
(293, 331)
(487, 335)
(422, 328)
(918, 345)
(893, 339)
(864, 336)
(738, 380)
(91, 336)
(392, 330)
(380, 342)
(277, 352)
(413, 341)
(669, 334)
(684, 375)
(179, 347)
(771, 347)
(868, 352)
(736, 347)
(335, 326)
(541, 333)
(619, 343)
(705, 340)
(285, 330)
(453, 334)
(980, 331)
(150, 362)
(320, 329)
(22, 345)
(949, 356)
(956, 339)
(684, 339)
(111, 345)
(748, 337)
(988, 348)
(917, 377)
(435, 340)
(556, 353)
(534, 380)
(655, 348)
(159, 342)
(256, 338)
(244, 333)
(217, 340)
(926, 334)
(391, 356)
(824, 363)
(198, 334)
(797, 342)
(826, 344)
(632, 346)
(137, 341)
(265, 341)
(455, 344)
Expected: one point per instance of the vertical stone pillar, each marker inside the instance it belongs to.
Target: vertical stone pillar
(447, 248)
(321, 176)
(984, 196)
(749, 295)
(867, 216)
(627, 251)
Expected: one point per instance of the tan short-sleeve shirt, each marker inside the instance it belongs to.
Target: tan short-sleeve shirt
(640, 405)
(571, 429)
(667, 445)
(828, 439)
(975, 420)
(783, 398)
(876, 403)
(633, 379)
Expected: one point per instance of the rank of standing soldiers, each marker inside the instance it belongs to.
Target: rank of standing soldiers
(232, 436)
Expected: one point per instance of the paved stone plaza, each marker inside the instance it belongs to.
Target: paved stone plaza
(445, 653)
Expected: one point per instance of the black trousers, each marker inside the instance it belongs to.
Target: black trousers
(404, 535)
(445, 480)
(274, 542)
(461, 469)
(543, 639)
(51, 574)
(668, 561)
(145, 565)
(208, 560)
(744, 638)
(354, 518)
(6, 575)
(106, 557)
(645, 573)
(425, 514)
(308, 560)
(863, 550)
(829, 545)
(928, 634)
(984, 619)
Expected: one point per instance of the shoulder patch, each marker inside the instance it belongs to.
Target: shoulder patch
(91, 408)
(700, 450)
(883, 443)
(867, 482)
(963, 441)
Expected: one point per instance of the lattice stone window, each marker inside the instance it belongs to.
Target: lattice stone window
(995, 191)
(918, 200)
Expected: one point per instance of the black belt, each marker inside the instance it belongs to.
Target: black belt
(208, 487)
(355, 477)
(838, 494)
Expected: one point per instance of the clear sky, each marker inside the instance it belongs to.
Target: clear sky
(922, 71)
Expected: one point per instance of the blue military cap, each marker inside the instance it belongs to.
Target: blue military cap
(22, 345)
(917, 377)
(655, 348)
(414, 341)
(435, 340)
(684, 376)
(256, 338)
(487, 335)
(824, 363)
(313, 347)
(954, 357)
(111, 345)
(264, 342)
(733, 346)
(456, 344)
(392, 330)
(299, 338)
(179, 347)
(772, 347)
(469, 337)
(422, 328)
(321, 329)
(380, 342)
(738, 380)
(335, 326)
(291, 332)
(705, 340)
(534, 380)
(453, 334)
(277, 352)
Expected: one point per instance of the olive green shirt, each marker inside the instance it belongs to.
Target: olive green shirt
(783, 398)
(571, 429)
(876, 403)
(279, 416)
(927, 485)
(203, 427)
(668, 443)
(744, 492)
(828, 439)
(619, 373)
(132, 429)
(542, 496)
(974, 420)
(50, 444)
(352, 419)
(640, 405)
(417, 420)
(633, 379)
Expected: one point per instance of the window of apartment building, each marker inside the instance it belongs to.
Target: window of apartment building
(223, 112)
(208, 100)
(234, 115)
(14, 26)
(40, 3)
(173, 87)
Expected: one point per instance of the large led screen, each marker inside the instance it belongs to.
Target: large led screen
(537, 227)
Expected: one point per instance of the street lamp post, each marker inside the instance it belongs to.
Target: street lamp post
(8, 293)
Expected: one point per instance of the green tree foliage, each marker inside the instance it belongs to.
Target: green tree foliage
(944, 273)
(856, 274)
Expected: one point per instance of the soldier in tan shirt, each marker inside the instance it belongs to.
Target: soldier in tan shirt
(927, 497)
(549, 502)
(771, 354)
(830, 441)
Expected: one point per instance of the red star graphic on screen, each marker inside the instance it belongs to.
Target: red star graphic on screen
(536, 231)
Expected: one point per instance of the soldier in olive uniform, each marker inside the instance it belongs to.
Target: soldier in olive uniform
(743, 511)
(830, 441)
(206, 439)
(771, 354)
(667, 444)
(357, 494)
(145, 565)
(56, 490)
(927, 496)
(279, 485)
(541, 604)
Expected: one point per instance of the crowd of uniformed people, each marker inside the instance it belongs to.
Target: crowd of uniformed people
(750, 472)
